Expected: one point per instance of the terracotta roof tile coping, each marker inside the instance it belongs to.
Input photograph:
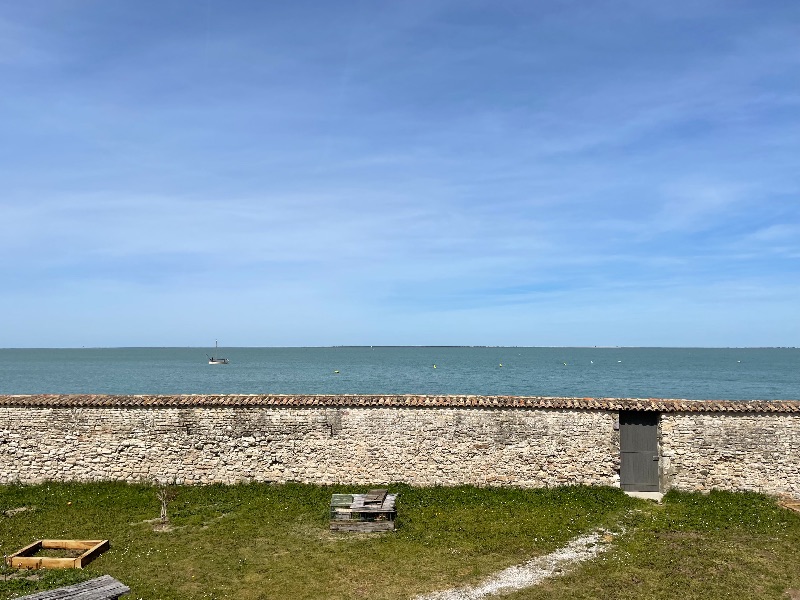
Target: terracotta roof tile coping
(397, 401)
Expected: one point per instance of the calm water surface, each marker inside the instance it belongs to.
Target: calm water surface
(697, 373)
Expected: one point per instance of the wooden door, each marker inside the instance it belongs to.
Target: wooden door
(638, 440)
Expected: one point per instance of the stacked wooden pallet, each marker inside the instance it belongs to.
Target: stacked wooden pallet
(373, 511)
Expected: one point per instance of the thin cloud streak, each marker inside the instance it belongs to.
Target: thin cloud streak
(400, 173)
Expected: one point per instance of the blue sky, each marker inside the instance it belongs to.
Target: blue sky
(437, 172)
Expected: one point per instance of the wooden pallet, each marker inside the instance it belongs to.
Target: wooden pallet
(24, 559)
(373, 511)
(99, 588)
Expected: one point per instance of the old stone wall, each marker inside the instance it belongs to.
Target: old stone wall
(758, 452)
(422, 440)
(428, 446)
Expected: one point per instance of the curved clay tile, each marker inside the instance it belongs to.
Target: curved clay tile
(400, 401)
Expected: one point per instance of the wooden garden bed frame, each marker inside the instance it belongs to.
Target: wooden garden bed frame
(24, 559)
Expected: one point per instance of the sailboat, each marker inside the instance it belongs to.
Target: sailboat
(217, 360)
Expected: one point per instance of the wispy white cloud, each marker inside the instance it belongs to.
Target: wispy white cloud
(421, 167)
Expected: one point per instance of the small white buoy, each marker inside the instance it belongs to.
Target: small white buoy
(434, 366)
(501, 364)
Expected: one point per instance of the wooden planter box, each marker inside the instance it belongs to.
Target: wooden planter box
(24, 559)
(373, 511)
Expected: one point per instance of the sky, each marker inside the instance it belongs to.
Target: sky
(436, 172)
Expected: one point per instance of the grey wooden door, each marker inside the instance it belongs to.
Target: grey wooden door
(638, 440)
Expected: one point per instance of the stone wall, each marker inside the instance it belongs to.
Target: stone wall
(759, 452)
(444, 446)
(447, 440)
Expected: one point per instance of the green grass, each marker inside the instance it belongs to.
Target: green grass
(267, 541)
(694, 546)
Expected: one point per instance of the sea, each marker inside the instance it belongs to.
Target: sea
(691, 373)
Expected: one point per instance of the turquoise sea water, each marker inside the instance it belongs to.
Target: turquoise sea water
(696, 373)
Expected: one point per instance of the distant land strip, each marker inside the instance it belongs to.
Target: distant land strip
(397, 401)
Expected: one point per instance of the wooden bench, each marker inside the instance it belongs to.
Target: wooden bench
(99, 588)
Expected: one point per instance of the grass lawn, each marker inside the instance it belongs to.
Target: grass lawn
(272, 541)
(720, 545)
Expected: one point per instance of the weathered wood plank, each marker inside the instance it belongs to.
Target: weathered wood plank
(375, 496)
(99, 588)
(342, 500)
(365, 526)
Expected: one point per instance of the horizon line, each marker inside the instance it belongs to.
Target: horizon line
(598, 347)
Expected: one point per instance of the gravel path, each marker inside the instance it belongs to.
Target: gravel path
(530, 573)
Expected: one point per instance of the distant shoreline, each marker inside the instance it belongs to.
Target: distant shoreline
(401, 346)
